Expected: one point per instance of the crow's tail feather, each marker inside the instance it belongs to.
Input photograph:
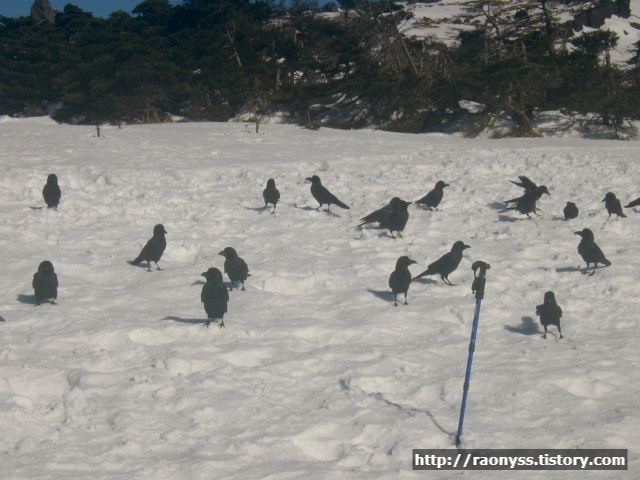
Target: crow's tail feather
(342, 205)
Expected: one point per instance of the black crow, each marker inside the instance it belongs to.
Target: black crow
(529, 187)
(590, 251)
(51, 192)
(380, 214)
(549, 313)
(525, 204)
(400, 279)
(635, 203)
(570, 211)
(613, 205)
(271, 194)
(322, 195)
(432, 199)
(393, 216)
(153, 250)
(234, 266)
(45, 283)
(446, 264)
(215, 296)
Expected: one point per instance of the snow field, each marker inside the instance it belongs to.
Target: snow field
(317, 375)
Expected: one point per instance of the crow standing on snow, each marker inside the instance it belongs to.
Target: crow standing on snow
(549, 313)
(234, 266)
(215, 296)
(613, 205)
(446, 264)
(271, 194)
(432, 199)
(45, 283)
(570, 211)
(393, 216)
(400, 279)
(590, 251)
(51, 192)
(635, 203)
(153, 250)
(322, 195)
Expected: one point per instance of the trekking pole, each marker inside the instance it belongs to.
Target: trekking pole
(478, 288)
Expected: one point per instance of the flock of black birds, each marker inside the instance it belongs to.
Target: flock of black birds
(393, 217)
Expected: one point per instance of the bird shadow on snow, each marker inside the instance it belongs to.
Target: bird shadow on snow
(259, 209)
(27, 299)
(497, 206)
(506, 218)
(386, 295)
(424, 208)
(331, 214)
(378, 232)
(529, 327)
(426, 281)
(142, 264)
(191, 321)
(568, 269)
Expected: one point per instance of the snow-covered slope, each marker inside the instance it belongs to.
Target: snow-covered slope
(442, 20)
(317, 374)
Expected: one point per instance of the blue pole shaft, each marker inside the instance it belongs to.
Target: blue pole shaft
(467, 377)
(478, 289)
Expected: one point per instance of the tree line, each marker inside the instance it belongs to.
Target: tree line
(355, 68)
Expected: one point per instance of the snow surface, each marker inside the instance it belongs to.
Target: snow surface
(441, 20)
(317, 374)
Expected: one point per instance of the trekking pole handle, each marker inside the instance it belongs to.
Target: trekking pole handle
(479, 279)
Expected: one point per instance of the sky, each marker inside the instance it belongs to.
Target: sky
(99, 8)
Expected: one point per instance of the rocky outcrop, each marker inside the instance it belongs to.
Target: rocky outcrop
(596, 16)
(41, 11)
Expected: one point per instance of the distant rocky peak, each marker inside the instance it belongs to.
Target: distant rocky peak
(41, 11)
